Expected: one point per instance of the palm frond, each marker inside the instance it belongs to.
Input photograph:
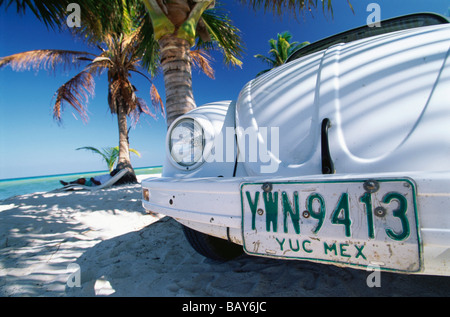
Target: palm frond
(149, 47)
(48, 11)
(109, 154)
(202, 60)
(295, 7)
(156, 99)
(224, 35)
(135, 152)
(76, 93)
(266, 59)
(113, 154)
(96, 14)
(98, 65)
(140, 108)
(92, 149)
(280, 50)
(44, 59)
(297, 46)
(115, 150)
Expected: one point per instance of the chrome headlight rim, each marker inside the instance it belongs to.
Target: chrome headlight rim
(207, 131)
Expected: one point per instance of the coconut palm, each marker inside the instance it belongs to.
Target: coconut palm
(280, 49)
(180, 24)
(120, 55)
(97, 14)
(52, 12)
(177, 25)
(109, 154)
(215, 30)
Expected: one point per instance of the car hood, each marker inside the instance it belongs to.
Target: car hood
(384, 97)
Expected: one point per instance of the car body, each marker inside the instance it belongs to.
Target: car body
(339, 156)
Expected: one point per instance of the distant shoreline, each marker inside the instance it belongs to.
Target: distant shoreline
(136, 170)
(29, 185)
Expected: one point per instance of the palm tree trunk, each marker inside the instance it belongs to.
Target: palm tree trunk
(176, 65)
(124, 152)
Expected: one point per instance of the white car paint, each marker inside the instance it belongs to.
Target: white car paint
(387, 98)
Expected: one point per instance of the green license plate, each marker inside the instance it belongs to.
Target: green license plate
(350, 222)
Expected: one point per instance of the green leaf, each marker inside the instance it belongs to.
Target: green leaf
(109, 154)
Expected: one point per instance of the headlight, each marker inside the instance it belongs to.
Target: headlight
(186, 142)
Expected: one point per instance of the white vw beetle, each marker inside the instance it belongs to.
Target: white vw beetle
(341, 156)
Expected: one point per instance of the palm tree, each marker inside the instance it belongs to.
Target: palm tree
(120, 54)
(176, 25)
(214, 30)
(97, 14)
(110, 154)
(180, 24)
(280, 49)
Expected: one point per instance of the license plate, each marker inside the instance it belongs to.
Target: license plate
(350, 222)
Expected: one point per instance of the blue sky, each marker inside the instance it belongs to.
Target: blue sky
(33, 144)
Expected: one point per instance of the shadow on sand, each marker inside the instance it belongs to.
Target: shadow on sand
(158, 261)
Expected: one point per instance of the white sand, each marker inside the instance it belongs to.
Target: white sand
(106, 242)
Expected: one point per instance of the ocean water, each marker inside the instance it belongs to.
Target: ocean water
(29, 185)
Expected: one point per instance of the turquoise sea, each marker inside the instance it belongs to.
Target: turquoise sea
(28, 185)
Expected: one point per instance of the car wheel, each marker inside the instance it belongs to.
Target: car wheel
(212, 247)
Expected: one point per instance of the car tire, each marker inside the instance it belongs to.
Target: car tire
(211, 247)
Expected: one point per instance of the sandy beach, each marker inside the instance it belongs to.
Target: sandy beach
(103, 243)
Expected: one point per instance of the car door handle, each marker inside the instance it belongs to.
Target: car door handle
(327, 162)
